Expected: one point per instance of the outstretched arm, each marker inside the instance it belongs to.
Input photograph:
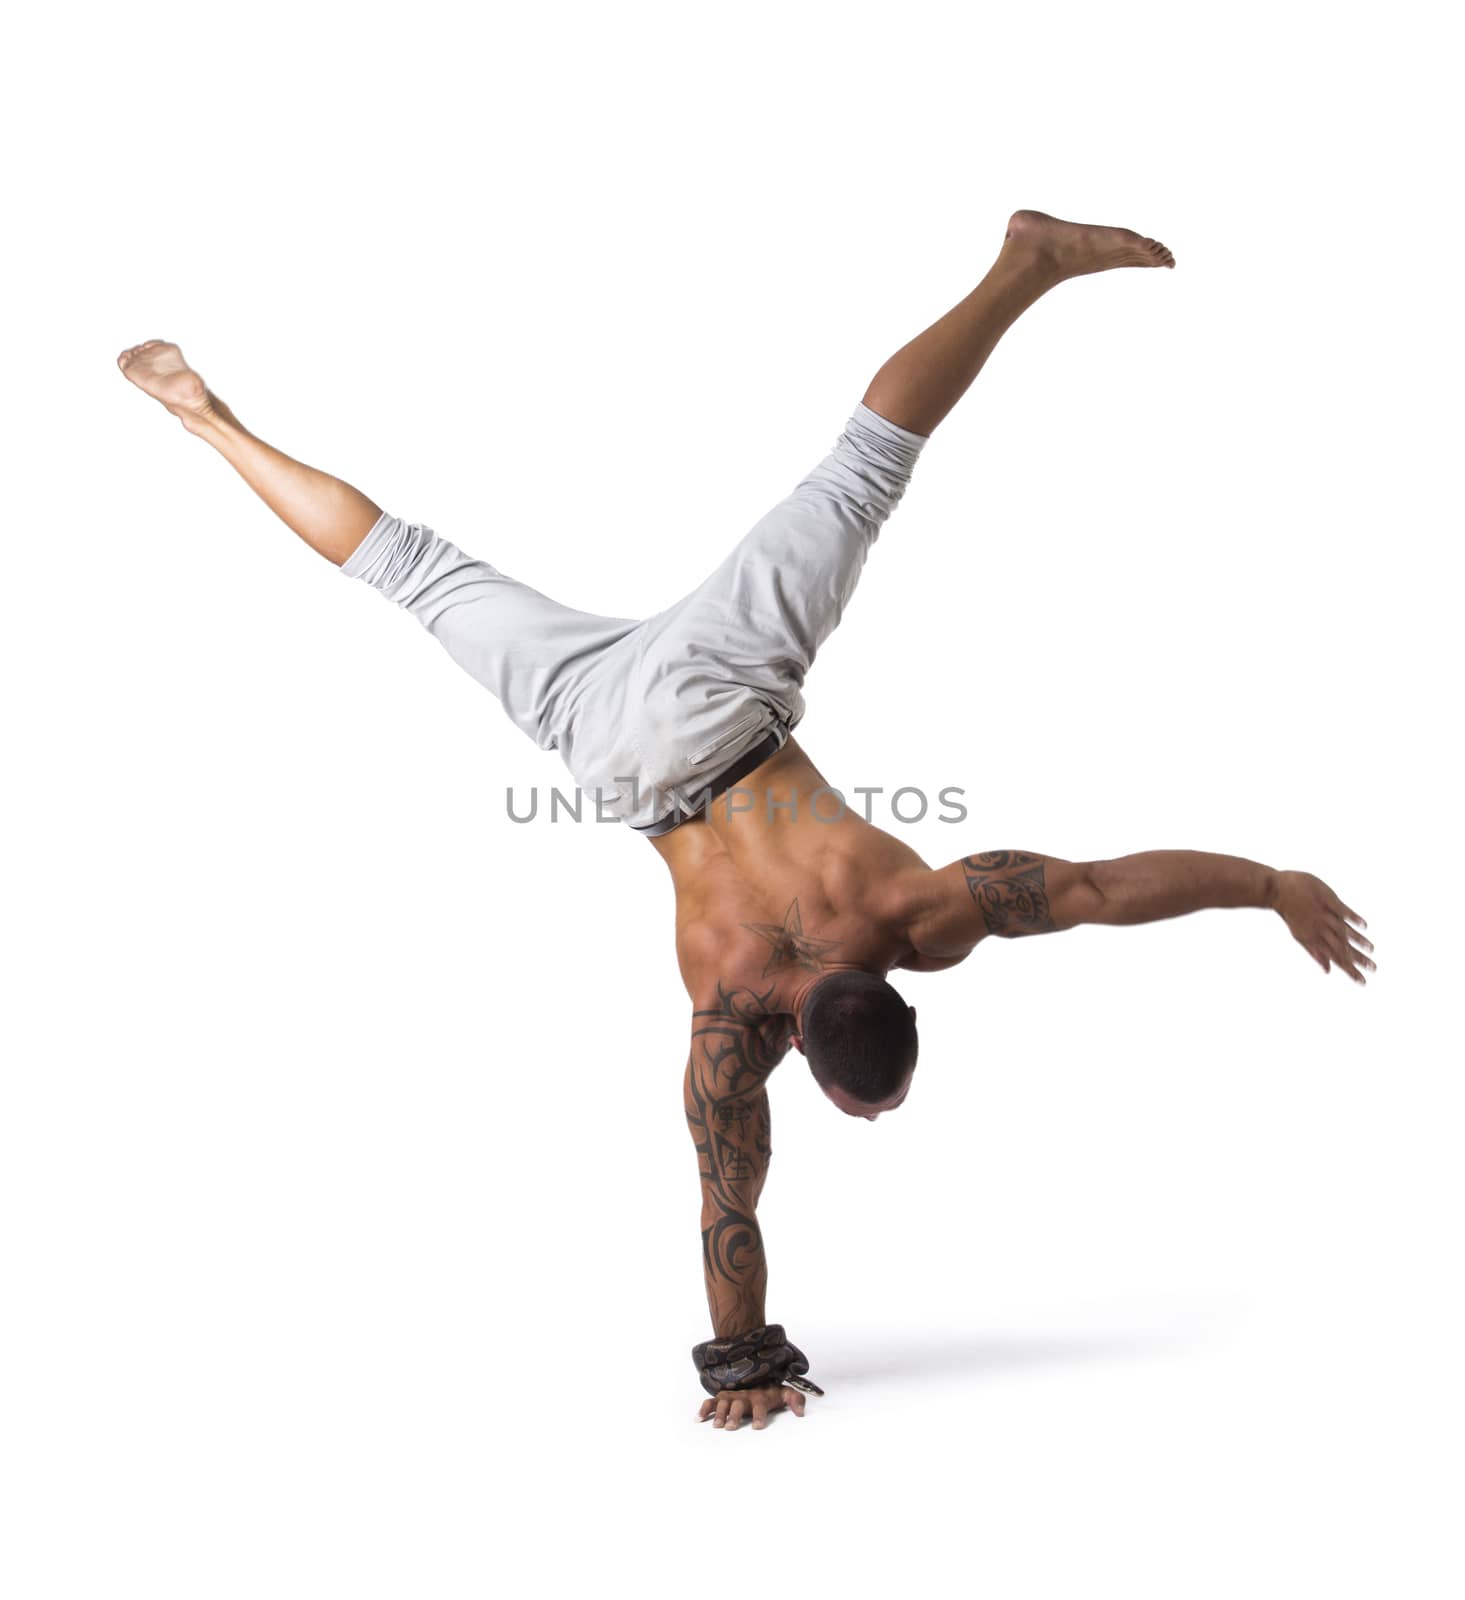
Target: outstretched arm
(1015, 892)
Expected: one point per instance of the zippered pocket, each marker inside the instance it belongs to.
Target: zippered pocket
(724, 739)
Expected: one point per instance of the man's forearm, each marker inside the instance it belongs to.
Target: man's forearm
(735, 1268)
(1171, 883)
(727, 1116)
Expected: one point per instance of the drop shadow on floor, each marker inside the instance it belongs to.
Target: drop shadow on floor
(994, 1354)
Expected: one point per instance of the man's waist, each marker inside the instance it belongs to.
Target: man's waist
(769, 745)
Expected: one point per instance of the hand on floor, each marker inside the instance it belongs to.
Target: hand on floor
(728, 1408)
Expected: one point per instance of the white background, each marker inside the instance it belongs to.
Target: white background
(349, 1216)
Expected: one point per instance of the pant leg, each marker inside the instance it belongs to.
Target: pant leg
(529, 651)
(818, 538)
(761, 617)
(725, 665)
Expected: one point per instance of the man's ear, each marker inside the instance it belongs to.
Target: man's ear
(913, 1013)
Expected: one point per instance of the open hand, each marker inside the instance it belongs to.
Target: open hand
(1322, 924)
(728, 1407)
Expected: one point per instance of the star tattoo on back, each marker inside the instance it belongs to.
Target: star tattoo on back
(790, 945)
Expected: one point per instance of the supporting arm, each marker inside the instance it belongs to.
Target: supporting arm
(728, 1117)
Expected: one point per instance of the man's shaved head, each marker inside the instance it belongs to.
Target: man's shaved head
(860, 1040)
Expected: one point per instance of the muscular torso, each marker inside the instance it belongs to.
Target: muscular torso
(777, 886)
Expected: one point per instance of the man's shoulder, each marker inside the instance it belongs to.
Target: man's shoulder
(918, 909)
(729, 1002)
(898, 897)
(722, 953)
(737, 1037)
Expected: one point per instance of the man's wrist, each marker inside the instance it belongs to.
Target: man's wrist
(1271, 888)
(756, 1358)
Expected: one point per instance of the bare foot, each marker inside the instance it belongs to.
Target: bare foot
(158, 369)
(1071, 249)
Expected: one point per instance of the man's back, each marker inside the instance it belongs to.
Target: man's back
(779, 880)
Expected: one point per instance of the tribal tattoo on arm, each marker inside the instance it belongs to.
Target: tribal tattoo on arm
(1009, 888)
(736, 1043)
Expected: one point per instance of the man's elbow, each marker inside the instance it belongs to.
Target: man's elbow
(1094, 892)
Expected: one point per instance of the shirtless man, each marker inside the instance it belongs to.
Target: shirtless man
(790, 909)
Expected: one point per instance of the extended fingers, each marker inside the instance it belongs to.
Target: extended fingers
(1333, 904)
(1355, 938)
(1354, 944)
(1357, 948)
(732, 1407)
(1341, 952)
(725, 1409)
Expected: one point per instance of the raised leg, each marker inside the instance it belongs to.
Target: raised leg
(923, 380)
(517, 642)
(331, 516)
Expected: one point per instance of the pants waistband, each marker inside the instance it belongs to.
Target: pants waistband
(767, 746)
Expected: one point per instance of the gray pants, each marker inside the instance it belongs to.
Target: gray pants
(645, 712)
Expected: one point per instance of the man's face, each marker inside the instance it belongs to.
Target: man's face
(859, 1108)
